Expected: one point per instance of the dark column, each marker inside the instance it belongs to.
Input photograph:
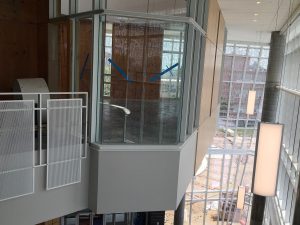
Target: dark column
(296, 219)
(273, 79)
(179, 213)
(269, 111)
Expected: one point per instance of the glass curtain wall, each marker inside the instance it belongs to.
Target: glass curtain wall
(288, 114)
(134, 59)
(245, 68)
(212, 196)
(142, 78)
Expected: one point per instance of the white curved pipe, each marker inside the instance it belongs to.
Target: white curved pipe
(125, 110)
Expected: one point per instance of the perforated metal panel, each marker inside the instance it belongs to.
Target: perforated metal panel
(16, 148)
(64, 142)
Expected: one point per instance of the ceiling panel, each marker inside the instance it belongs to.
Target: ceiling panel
(240, 16)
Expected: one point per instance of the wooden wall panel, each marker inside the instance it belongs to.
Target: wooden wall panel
(205, 136)
(154, 60)
(218, 64)
(136, 48)
(221, 33)
(85, 54)
(217, 80)
(120, 54)
(59, 56)
(211, 81)
(213, 20)
(23, 41)
(207, 81)
(42, 32)
(63, 60)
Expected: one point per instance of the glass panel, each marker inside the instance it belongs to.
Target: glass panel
(236, 131)
(251, 69)
(164, 7)
(254, 52)
(84, 5)
(51, 9)
(238, 70)
(244, 101)
(229, 49)
(107, 79)
(224, 100)
(265, 52)
(84, 54)
(168, 7)
(235, 99)
(241, 49)
(64, 6)
(107, 88)
(227, 69)
(141, 99)
(263, 65)
(58, 8)
(128, 5)
(120, 217)
(59, 59)
(84, 219)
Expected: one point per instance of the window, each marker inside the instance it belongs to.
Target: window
(245, 68)
(229, 162)
(142, 77)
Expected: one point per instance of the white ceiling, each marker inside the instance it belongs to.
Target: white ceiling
(243, 25)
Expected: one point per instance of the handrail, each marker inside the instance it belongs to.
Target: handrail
(125, 110)
(289, 90)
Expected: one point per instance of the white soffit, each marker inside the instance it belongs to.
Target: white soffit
(248, 21)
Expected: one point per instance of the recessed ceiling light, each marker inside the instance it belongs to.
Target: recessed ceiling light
(255, 14)
(258, 2)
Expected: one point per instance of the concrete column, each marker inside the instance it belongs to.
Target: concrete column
(179, 213)
(296, 219)
(273, 79)
(269, 111)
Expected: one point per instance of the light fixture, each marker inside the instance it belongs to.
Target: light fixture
(251, 102)
(255, 14)
(268, 146)
(258, 2)
(241, 197)
(254, 21)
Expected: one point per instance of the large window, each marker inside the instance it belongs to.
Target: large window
(165, 7)
(162, 7)
(245, 68)
(288, 114)
(212, 195)
(142, 75)
(135, 60)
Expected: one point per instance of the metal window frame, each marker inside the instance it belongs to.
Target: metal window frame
(99, 11)
(232, 151)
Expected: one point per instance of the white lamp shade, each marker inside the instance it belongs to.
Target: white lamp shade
(241, 197)
(267, 159)
(251, 102)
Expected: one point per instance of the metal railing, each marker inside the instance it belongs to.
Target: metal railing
(41, 130)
